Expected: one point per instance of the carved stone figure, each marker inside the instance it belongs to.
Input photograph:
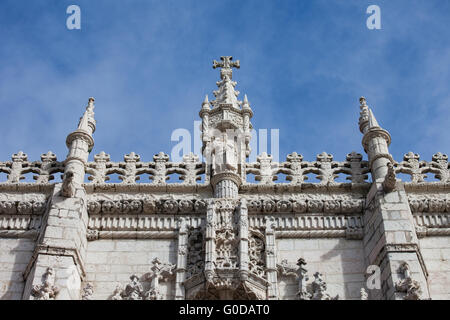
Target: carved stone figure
(389, 179)
(88, 291)
(47, 290)
(68, 188)
(410, 287)
(319, 287)
(364, 294)
(159, 271)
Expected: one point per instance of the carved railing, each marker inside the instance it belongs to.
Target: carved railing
(297, 170)
(191, 171)
(44, 170)
(411, 165)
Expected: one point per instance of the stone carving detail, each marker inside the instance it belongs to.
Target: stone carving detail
(47, 290)
(364, 294)
(256, 252)
(319, 287)
(190, 170)
(428, 203)
(134, 290)
(226, 237)
(264, 170)
(43, 170)
(410, 287)
(296, 170)
(159, 271)
(159, 171)
(418, 169)
(92, 235)
(69, 186)
(88, 291)
(316, 290)
(136, 206)
(389, 179)
(335, 206)
(196, 253)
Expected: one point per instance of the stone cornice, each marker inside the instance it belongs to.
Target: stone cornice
(113, 235)
(27, 187)
(362, 188)
(434, 186)
(19, 234)
(147, 187)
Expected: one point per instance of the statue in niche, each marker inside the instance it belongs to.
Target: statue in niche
(224, 154)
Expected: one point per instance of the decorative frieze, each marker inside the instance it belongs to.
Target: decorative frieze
(146, 206)
(22, 207)
(327, 206)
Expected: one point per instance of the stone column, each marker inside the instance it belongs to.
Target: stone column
(243, 240)
(210, 240)
(271, 259)
(181, 259)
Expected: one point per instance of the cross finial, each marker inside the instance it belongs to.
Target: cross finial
(226, 63)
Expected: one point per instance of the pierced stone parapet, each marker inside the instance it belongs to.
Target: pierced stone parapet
(296, 170)
(191, 172)
(132, 169)
(44, 170)
(411, 165)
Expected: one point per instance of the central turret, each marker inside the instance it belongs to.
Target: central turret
(226, 133)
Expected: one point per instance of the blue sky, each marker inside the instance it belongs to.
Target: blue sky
(304, 64)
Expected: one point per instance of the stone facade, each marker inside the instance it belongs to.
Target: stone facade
(214, 234)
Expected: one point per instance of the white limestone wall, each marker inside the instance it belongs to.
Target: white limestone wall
(112, 262)
(436, 253)
(14, 257)
(341, 262)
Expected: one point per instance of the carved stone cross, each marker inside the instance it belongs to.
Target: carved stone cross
(226, 63)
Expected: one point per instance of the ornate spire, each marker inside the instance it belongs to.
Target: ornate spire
(205, 104)
(372, 120)
(87, 122)
(226, 93)
(363, 115)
